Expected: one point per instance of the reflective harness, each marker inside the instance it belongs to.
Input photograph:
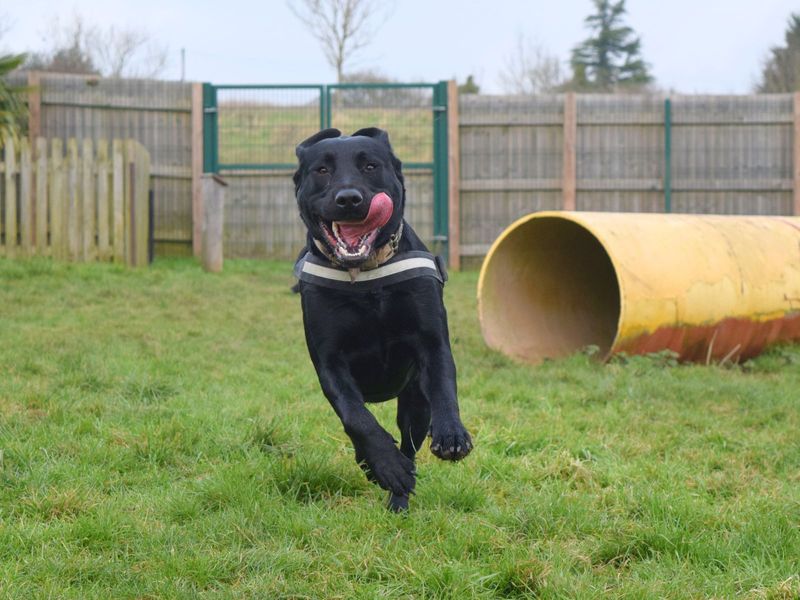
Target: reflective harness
(401, 267)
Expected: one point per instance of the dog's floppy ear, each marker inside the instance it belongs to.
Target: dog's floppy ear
(381, 135)
(305, 145)
(317, 137)
(374, 132)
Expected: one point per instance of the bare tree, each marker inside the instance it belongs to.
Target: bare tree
(80, 47)
(342, 27)
(531, 70)
(5, 24)
(127, 53)
(69, 48)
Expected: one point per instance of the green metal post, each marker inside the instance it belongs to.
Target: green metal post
(328, 107)
(667, 155)
(324, 118)
(440, 175)
(210, 129)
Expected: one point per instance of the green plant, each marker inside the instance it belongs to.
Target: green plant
(13, 111)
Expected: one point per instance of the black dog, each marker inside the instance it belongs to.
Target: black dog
(375, 323)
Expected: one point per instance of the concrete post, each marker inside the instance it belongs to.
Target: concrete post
(213, 221)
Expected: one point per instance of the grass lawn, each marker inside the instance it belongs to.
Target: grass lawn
(163, 435)
(259, 134)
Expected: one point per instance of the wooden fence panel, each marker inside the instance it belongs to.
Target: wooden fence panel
(511, 155)
(157, 114)
(620, 153)
(728, 154)
(63, 205)
(732, 154)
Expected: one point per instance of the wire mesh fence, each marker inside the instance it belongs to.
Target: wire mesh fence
(404, 110)
(259, 126)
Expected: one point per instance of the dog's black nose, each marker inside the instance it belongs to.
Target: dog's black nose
(348, 198)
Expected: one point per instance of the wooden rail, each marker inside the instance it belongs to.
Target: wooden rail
(87, 203)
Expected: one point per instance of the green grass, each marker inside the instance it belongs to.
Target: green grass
(268, 134)
(163, 435)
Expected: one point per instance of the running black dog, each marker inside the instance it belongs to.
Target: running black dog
(375, 323)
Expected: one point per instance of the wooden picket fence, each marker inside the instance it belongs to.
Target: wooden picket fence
(79, 201)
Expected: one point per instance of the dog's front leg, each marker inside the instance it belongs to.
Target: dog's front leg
(449, 438)
(376, 452)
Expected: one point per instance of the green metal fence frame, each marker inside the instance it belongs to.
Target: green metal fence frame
(439, 165)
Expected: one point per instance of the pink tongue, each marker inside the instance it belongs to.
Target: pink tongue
(380, 211)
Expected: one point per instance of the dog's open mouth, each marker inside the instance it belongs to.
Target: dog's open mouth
(352, 242)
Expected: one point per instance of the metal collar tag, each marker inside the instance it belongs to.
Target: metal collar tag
(401, 267)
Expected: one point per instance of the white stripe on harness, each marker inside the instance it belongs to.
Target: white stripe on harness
(378, 273)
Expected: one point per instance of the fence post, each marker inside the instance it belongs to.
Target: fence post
(213, 221)
(34, 106)
(103, 222)
(324, 117)
(197, 167)
(796, 157)
(88, 213)
(668, 155)
(41, 191)
(140, 211)
(440, 160)
(58, 200)
(118, 199)
(11, 197)
(73, 201)
(210, 139)
(569, 173)
(26, 208)
(34, 131)
(453, 178)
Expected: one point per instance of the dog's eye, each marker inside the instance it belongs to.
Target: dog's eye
(322, 170)
(370, 167)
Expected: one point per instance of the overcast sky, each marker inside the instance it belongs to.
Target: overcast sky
(692, 46)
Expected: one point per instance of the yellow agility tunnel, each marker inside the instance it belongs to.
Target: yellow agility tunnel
(707, 287)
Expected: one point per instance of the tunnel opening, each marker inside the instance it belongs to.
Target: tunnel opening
(548, 289)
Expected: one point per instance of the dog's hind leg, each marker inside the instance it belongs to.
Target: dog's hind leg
(413, 419)
(414, 422)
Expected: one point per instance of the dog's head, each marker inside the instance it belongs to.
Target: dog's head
(350, 192)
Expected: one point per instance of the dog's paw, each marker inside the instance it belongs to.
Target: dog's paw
(398, 504)
(450, 442)
(390, 469)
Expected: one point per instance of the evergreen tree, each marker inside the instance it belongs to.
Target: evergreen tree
(611, 58)
(469, 86)
(782, 68)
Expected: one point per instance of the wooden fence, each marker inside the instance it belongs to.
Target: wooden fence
(687, 154)
(79, 201)
(516, 154)
(164, 116)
